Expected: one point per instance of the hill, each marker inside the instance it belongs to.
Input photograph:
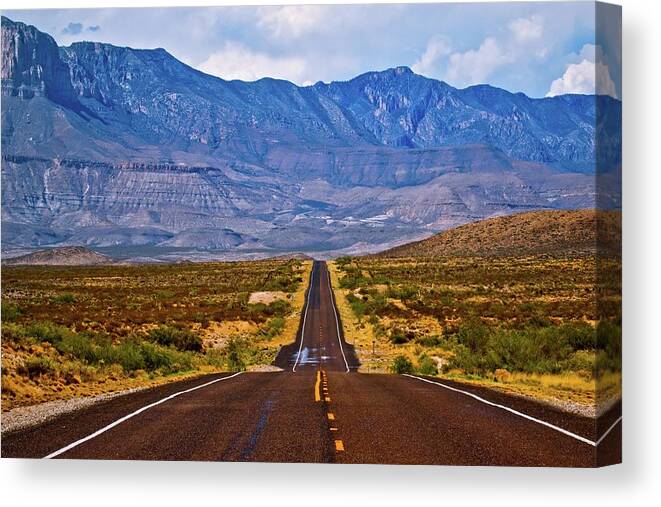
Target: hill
(538, 232)
(60, 256)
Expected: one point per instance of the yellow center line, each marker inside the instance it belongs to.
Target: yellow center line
(331, 416)
(339, 445)
(317, 394)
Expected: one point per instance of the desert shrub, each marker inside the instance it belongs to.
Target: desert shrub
(233, 355)
(164, 295)
(609, 347)
(128, 354)
(343, 261)
(165, 359)
(398, 336)
(579, 336)
(14, 333)
(539, 320)
(473, 335)
(64, 299)
(429, 341)
(48, 332)
(260, 311)
(10, 312)
(426, 365)
(37, 366)
(283, 283)
(353, 278)
(531, 350)
(581, 360)
(78, 346)
(181, 339)
(273, 327)
(402, 364)
(358, 305)
(215, 357)
(403, 292)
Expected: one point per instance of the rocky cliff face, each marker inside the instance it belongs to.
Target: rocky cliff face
(110, 145)
(31, 64)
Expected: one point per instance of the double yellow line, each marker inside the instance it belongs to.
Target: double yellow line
(339, 444)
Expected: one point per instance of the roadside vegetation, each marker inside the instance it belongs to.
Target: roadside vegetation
(533, 325)
(69, 331)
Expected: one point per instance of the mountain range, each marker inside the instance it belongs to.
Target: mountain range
(112, 146)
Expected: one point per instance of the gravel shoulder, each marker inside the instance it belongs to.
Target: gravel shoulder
(32, 415)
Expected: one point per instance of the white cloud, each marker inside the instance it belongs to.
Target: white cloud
(437, 50)
(588, 76)
(291, 21)
(527, 29)
(475, 65)
(522, 41)
(235, 61)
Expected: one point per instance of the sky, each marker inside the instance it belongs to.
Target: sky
(540, 49)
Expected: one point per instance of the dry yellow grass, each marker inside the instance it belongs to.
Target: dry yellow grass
(360, 334)
(288, 334)
(19, 390)
(503, 291)
(375, 352)
(123, 303)
(569, 391)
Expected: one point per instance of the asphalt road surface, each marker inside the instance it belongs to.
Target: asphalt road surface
(319, 410)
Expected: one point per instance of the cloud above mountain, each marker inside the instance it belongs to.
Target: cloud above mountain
(76, 28)
(587, 75)
(518, 46)
(235, 61)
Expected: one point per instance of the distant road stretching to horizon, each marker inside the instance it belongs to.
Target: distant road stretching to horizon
(319, 409)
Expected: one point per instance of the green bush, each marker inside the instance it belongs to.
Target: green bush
(427, 366)
(609, 347)
(278, 308)
(404, 292)
(14, 333)
(79, 346)
(64, 298)
(37, 366)
(273, 327)
(398, 336)
(343, 261)
(10, 312)
(128, 354)
(48, 332)
(429, 341)
(580, 336)
(473, 335)
(532, 349)
(181, 339)
(402, 364)
(234, 356)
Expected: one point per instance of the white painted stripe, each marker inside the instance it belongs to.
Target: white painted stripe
(337, 321)
(305, 316)
(617, 421)
(133, 414)
(521, 414)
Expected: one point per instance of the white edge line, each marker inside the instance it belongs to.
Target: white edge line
(521, 414)
(132, 414)
(305, 316)
(617, 421)
(337, 322)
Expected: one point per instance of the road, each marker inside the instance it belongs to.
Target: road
(318, 409)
